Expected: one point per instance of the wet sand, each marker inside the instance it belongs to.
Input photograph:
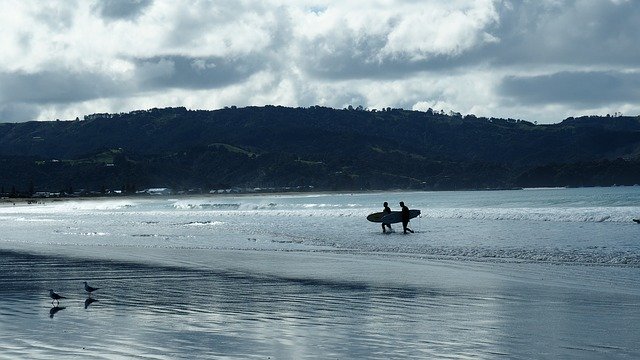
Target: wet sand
(283, 306)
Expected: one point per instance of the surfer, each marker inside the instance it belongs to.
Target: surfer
(386, 210)
(405, 218)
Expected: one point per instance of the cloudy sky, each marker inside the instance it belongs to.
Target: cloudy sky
(538, 60)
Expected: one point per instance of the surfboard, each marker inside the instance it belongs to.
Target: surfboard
(376, 217)
(396, 216)
(392, 218)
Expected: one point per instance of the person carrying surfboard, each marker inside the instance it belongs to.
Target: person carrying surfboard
(405, 218)
(386, 210)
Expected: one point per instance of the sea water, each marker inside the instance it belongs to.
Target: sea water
(559, 226)
(536, 273)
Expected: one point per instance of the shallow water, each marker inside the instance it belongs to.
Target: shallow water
(576, 226)
(163, 312)
(545, 273)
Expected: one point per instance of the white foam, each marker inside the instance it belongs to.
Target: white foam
(69, 206)
(553, 214)
(205, 223)
(586, 234)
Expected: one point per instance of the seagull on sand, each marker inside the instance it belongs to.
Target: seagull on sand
(55, 296)
(88, 288)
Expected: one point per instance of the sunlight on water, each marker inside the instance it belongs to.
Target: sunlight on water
(582, 226)
(171, 312)
(513, 274)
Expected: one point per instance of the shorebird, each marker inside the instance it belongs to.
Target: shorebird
(88, 288)
(55, 296)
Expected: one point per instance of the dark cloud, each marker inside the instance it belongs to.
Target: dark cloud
(574, 88)
(121, 9)
(18, 112)
(47, 87)
(566, 32)
(349, 57)
(21, 93)
(193, 72)
(359, 58)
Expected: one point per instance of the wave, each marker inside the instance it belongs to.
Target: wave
(248, 206)
(36, 220)
(183, 205)
(70, 206)
(587, 215)
(595, 256)
(86, 233)
(590, 214)
(204, 223)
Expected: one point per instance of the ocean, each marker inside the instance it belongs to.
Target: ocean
(534, 273)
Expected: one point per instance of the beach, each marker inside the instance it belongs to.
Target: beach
(174, 285)
(354, 308)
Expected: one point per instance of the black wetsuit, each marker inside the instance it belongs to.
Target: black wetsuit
(405, 219)
(386, 210)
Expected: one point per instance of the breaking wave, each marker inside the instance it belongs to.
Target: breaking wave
(604, 214)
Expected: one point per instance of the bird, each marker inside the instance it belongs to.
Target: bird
(55, 296)
(88, 288)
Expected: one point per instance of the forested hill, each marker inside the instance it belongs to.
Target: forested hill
(325, 148)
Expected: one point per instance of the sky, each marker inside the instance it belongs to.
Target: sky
(538, 60)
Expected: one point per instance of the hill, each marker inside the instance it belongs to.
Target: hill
(326, 148)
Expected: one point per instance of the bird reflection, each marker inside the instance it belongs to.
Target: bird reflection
(89, 301)
(55, 309)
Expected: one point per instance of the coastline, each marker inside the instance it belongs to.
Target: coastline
(46, 200)
(311, 278)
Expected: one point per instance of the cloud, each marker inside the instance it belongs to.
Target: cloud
(193, 73)
(574, 88)
(574, 32)
(488, 57)
(378, 42)
(147, 75)
(121, 9)
(55, 87)
(18, 112)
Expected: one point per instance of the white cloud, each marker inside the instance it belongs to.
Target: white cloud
(61, 58)
(441, 31)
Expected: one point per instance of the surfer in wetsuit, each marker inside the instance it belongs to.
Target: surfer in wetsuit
(405, 218)
(386, 210)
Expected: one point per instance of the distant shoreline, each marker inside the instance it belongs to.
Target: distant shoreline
(42, 201)
(9, 201)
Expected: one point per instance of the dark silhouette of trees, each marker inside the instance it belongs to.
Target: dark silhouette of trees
(275, 146)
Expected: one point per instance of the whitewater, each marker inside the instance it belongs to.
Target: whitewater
(567, 226)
